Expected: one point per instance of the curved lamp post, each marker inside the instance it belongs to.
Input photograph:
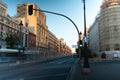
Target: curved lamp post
(63, 16)
(66, 18)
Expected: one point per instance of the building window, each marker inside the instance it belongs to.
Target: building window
(1, 35)
(1, 27)
(116, 47)
(107, 47)
(115, 28)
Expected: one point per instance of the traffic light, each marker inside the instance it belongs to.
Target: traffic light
(30, 9)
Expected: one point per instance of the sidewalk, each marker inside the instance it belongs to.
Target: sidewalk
(99, 71)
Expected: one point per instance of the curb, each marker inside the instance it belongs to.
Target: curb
(71, 70)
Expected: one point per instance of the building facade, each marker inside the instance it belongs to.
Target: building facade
(9, 25)
(52, 42)
(94, 37)
(108, 28)
(63, 47)
(32, 41)
(37, 23)
(67, 49)
(3, 17)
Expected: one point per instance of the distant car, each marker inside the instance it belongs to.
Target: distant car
(75, 55)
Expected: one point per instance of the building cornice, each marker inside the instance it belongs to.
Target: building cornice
(107, 3)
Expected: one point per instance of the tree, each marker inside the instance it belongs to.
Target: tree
(12, 40)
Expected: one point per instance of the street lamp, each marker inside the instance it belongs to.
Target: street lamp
(80, 45)
(20, 37)
(46, 43)
(86, 67)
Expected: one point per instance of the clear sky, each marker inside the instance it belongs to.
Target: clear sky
(60, 26)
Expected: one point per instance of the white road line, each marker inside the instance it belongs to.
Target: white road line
(43, 76)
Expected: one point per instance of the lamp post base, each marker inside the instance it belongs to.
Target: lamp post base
(86, 70)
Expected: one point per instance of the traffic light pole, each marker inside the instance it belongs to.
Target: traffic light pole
(60, 15)
(69, 20)
(86, 67)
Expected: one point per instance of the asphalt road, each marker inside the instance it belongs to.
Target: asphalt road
(56, 69)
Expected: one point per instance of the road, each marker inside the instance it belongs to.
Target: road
(56, 69)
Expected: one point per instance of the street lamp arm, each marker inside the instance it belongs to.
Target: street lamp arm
(60, 15)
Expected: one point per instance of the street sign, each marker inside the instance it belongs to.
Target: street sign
(74, 46)
(85, 39)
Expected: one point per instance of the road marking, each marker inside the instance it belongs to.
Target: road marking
(62, 62)
(43, 76)
(17, 79)
(14, 64)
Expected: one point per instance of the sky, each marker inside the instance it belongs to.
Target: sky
(59, 25)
